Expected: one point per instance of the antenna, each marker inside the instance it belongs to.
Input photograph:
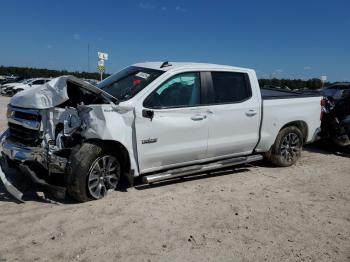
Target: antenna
(165, 64)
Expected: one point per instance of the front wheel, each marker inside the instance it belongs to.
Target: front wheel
(103, 176)
(287, 148)
(94, 172)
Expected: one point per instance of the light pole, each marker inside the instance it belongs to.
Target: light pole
(323, 80)
(88, 58)
(102, 57)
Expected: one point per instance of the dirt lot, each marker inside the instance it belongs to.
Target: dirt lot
(252, 213)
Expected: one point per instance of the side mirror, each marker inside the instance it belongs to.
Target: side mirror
(148, 114)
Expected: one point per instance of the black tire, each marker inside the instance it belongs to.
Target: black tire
(287, 148)
(83, 164)
(17, 91)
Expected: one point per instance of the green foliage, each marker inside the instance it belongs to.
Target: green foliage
(28, 72)
(313, 83)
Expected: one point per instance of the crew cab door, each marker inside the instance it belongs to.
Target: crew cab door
(235, 115)
(171, 124)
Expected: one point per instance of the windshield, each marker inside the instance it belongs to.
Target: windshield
(128, 82)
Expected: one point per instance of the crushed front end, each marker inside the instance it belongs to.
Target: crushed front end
(44, 126)
(37, 143)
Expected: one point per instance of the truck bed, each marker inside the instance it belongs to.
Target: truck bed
(274, 93)
(281, 107)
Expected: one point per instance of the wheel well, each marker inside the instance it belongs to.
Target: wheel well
(118, 150)
(302, 127)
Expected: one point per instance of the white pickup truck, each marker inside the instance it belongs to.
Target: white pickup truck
(155, 120)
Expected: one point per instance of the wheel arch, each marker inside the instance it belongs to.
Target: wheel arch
(301, 125)
(118, 150)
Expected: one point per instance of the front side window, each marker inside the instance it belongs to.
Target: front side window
(128, 82)
(230, 87)
(182, 90)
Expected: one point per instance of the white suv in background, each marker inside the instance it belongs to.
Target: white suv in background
(13, 89)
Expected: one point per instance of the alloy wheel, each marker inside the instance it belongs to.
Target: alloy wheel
(104, 175)
(291, 147)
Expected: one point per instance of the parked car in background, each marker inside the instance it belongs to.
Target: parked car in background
(156, 120)
(7, 85)
(92, 81)
(11, 79)
(2, 80)
(335, 114)
(10, 90)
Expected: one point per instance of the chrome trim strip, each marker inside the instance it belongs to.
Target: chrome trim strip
(181, 172)
(24, 110)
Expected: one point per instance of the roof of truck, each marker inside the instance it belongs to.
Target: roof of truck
(168, 65)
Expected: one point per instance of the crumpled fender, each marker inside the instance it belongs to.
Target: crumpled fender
(111, 122)
(105, 122)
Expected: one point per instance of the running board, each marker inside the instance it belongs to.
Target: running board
(190, 170)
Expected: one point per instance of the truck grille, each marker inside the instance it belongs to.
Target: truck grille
(24, 127)
(26, 116)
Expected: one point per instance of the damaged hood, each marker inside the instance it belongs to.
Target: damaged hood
(51, 94)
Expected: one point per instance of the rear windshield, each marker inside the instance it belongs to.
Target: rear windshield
(128, 82)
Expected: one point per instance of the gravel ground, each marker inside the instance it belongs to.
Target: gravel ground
(252, 213)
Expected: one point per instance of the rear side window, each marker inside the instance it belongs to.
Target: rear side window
(230, 87)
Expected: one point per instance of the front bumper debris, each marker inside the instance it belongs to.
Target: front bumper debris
(21, 153)
(57, 191)
(20, 156)
(13, 191)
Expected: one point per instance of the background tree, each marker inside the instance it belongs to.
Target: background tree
(28, 72)
(293, 84)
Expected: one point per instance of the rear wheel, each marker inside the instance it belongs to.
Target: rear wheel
(95, 170)
(287, 148)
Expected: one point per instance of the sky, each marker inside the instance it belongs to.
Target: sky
(283, 39)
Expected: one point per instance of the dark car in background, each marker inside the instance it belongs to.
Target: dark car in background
(335, 114)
